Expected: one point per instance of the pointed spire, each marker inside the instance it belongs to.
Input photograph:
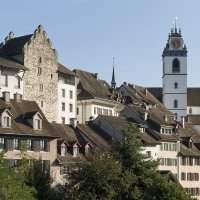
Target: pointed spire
(113, 83)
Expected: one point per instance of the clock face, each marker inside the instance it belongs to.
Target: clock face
(176, 43)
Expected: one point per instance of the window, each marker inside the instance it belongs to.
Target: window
(95, 110)
(183, 176)
(190, 110)
(175, 66)
(29, 144)
(75, 150)
(1, 143)
(40, 60)
(6, 122)
(63, 120)
(41, 87)
(70, 107)
(77, 111)
(63, 106)
(42, 104)
(175, 85)
(38, 124)
(15, 143)
(18, 82)
(175, 103)
(71, 94)
(39, 72)
(6, 80)
(148, 154)
(87, 149)
(63, 92)
(42, 145)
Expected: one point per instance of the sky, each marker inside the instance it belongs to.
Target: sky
(88, 33)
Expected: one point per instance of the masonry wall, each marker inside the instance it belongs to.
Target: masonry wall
(40, 81)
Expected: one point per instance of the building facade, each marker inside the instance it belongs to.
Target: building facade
(175, 74)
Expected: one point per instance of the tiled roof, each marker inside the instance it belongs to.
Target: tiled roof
(20, 124)
(120, 124)
(65, 132)
(14, 46)
(92, 136)
(64, 70)
(185, 151)
(90, 85)
(11, 64)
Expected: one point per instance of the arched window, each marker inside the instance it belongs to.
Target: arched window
(175, 85)
(175, 66)
(175, 103)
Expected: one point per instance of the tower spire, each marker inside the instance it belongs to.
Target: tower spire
(113, 83)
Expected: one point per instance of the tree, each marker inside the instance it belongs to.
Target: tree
(144, 180)
(37, 176)
(98, 179)
(123, 174)
(11, 186)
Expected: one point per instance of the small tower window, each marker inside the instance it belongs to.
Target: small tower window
(175, 103)
(175, 66)
(175, 85)
(40, 60)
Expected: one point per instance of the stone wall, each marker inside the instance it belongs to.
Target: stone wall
(40, 81)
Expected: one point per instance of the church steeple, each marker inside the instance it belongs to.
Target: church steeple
(113, 83)
(175, 73)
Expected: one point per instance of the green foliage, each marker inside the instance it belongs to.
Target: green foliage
(99, 179)
(123, 175)
(38, 176)
(11, 186)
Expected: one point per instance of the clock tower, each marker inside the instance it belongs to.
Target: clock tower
(174, 77)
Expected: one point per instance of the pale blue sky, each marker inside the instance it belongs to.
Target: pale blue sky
(87, 33)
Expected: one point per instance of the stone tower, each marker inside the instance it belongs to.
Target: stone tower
(40, 81)
(174, 77)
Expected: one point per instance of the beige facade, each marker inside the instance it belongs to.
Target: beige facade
(41, 79)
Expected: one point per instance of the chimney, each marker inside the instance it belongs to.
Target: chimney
(145, 116)
(146, 91)
(17, 97)
(183, 121)
(10, 36)
(73, 122)
(6, 96)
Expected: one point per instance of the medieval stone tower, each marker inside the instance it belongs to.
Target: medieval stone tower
(175, 74)
(40, 81)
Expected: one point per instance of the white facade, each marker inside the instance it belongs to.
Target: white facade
(67, 98)
(11, 80)
(151, 151)
(175, 75)
(89, 109)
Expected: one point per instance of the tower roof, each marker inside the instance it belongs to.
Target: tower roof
(113, 82)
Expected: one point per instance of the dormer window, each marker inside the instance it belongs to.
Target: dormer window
(190, 143)
(75, 150)
(142, 130)
(6, 122)
(87, 149)
(37, 121)
(168, 130)
(6, 119)
(63, 150)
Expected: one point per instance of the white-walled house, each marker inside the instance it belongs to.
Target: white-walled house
(11, 77)
(67, 95)
(94, 98)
